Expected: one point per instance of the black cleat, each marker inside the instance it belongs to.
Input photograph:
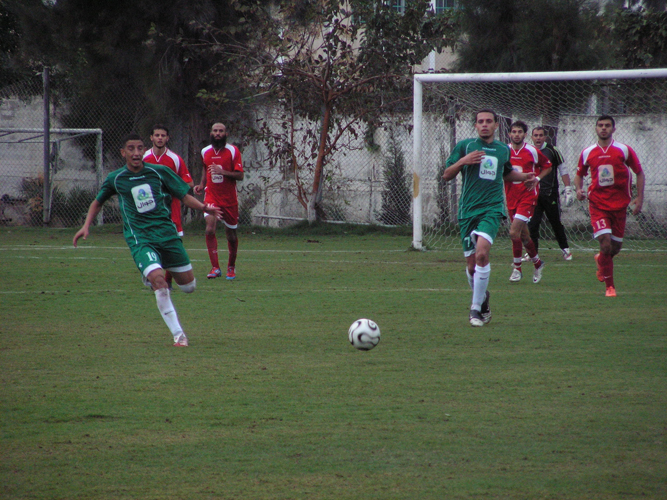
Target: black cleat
(476, 318)
(486, 309)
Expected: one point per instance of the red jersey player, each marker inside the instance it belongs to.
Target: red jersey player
(521, 201)
(159, 154)
(224, 167)
(609, 163)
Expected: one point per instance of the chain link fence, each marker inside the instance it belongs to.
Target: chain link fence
(568, 111)
(45, 180)
(366, 181)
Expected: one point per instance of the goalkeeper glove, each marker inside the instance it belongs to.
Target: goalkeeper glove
(569, 196)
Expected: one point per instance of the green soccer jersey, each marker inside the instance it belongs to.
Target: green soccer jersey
(145, 201)
(483, 189)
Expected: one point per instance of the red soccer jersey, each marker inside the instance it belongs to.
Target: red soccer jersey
(610, 174)
(221, 190)
(171, 160)
(176, 163)
(525, 160)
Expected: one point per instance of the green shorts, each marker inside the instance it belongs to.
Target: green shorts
(485, 225)
(168, 254)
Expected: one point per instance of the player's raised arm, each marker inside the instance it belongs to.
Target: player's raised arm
(232, 174)
(528, 179)
(93, 211)
(469, 159)
(193, 203)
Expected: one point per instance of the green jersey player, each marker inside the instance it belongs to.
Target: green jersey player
(484, 164)
(144, 194)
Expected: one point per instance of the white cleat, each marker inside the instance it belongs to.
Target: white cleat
(181, 341)
(516, 275)
(537, 274)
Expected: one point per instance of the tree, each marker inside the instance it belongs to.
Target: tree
(641, 38)
(11, 69)
(332, 68)
(396, 197)
(110, 59)
(521, 35)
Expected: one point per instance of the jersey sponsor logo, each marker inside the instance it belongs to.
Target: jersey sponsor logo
(488, 168)
(143, 198)
(606, 175)
(136, 178)
(217, 178)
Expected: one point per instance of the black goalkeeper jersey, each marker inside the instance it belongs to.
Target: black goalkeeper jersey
(549, 184)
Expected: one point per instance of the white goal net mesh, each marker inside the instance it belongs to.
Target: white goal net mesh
(567, 109)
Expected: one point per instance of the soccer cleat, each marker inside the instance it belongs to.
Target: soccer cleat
(231, 272)
(181, 341)
(476, 318)
(537, 274)
(215, 273)
(516, 274)
(567, 255)
(599, 272)
(486, 309)
(525, 258)
(611, 292)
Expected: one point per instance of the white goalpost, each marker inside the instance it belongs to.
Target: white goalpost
(566, 105)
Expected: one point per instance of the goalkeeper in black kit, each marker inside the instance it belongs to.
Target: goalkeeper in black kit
(548, 202)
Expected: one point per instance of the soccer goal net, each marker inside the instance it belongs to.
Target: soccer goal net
(566, 104)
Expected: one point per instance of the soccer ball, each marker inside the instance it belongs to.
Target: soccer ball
(364, 334)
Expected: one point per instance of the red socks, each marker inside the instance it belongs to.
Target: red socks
(233, 249)
(606, 263)
(212, 246)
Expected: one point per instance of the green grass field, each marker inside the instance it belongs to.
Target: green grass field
(562, 396)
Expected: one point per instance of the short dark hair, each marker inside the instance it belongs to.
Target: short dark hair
(486, 110)
(521, 125)
(606, 117)
(159, 126)
(540, 128)
(132, 136)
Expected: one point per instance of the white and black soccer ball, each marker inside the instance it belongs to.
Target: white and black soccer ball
(364, 334)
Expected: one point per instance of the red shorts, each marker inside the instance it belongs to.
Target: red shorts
(524, 209)
(230, 216)
(605, 222)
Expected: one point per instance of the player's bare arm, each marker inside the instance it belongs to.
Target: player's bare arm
(469, 159)
(199, 188)
(638, 202)
(529, 179)
(566, 180)
(216, 169)
(93, 211)
(193, 203)
(578, 184)
(545, 172)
